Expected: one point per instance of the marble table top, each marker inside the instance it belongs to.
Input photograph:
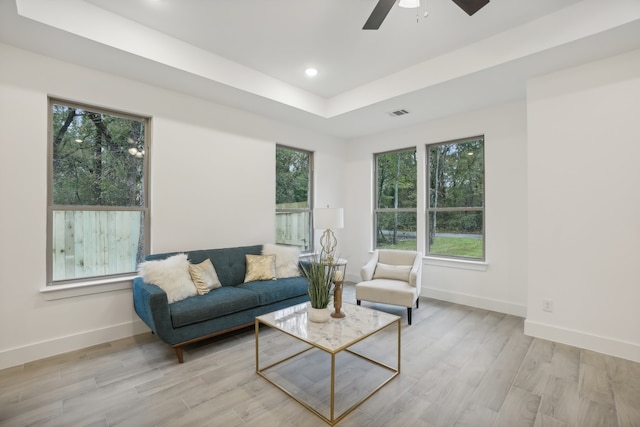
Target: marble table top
(334, 335)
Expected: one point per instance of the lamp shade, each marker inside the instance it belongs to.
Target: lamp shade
(328, 218)
(409, 4)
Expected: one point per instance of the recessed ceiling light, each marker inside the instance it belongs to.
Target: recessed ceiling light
(311, 72)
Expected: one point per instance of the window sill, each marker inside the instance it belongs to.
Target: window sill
(90, 287)
(457, 263)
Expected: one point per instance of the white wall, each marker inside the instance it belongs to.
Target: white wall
(500, 284)
(212, 185)
(584, 206)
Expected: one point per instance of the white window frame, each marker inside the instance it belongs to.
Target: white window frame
(309, 209)
(429, 209)
(376, 209)
(104, 282)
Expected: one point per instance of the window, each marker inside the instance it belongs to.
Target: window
(98, 218)
(455, 216)
(293, 198)
(395, 210)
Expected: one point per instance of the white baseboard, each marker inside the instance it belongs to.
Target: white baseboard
(600, 344)
(500, 306)
(40, 350)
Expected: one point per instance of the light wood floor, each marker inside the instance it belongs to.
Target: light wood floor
(461, 366)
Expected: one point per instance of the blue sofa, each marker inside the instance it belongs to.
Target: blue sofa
(232, 306)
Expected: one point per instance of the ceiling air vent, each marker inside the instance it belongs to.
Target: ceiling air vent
(398, 113)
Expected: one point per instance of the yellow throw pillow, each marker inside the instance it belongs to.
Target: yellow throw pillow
(204, 276)
(260, 267)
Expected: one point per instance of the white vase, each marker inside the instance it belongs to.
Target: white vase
(318, 315)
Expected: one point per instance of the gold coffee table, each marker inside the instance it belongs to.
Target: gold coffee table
(333, 337)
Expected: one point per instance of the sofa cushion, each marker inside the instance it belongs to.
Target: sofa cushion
(287, 259)
(219, 302)
(270, 291)
(260, 267)
(230, 263)
(204, 276)
(171, 275)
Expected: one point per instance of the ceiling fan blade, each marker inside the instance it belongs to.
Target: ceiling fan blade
(379, 13)
(471, 6)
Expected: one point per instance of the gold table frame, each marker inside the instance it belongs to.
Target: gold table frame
(305, 332)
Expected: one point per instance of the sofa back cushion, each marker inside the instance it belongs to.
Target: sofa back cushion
(229, 263)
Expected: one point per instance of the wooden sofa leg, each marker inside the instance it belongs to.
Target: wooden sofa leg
(179, 353)
(409, 314)
(358, 302)
(418, 303)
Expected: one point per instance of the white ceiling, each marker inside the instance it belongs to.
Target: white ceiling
(251, 54)
(281, 38)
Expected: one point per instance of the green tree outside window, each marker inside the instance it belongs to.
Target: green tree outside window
(396, 200)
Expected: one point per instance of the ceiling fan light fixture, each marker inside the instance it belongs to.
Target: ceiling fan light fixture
(471, 6)
(409, 4)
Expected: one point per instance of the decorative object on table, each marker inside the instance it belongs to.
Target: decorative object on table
(318, 315)
(338, 281)
(319, 274)
(328, 219)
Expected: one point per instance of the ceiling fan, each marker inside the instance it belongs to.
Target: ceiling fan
(383, 7)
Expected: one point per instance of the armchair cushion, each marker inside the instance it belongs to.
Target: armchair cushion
(387, 291)
(396, 257)
(394, 272)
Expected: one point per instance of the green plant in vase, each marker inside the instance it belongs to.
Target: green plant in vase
(319, 274)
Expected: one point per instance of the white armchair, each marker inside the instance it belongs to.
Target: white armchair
(391, 277)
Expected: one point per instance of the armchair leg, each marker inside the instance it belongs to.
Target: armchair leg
(409, 310)
(358, 302)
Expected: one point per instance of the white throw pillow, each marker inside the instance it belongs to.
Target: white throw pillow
(171, 275)
(287, 258)
(393, 272)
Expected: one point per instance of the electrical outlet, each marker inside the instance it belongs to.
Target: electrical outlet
(547, 305)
